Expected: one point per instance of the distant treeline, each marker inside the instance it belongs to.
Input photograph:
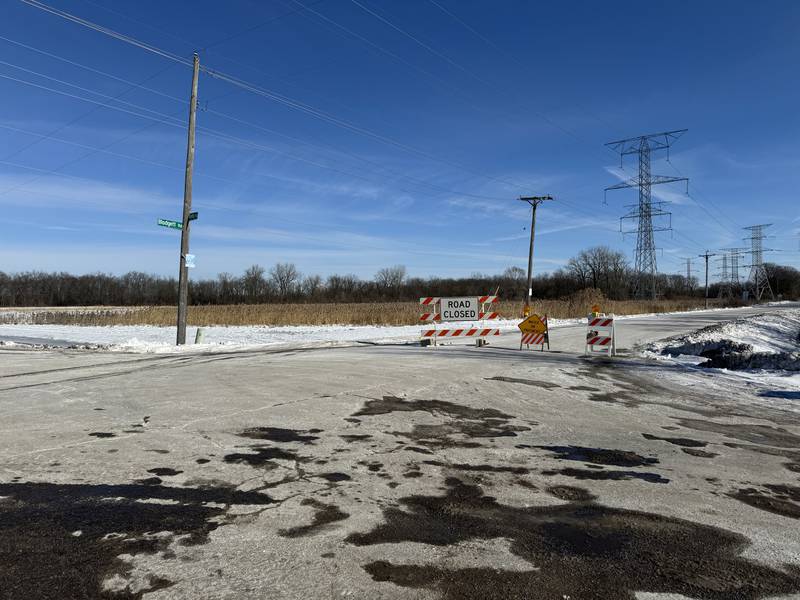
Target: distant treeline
(599, 267)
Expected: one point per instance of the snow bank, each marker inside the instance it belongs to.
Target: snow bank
(769, 342)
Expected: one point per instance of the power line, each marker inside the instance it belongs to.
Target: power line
(274, 96)
(415, 180)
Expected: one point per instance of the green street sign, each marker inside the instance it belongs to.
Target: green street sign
(193, 216)
(170, 224)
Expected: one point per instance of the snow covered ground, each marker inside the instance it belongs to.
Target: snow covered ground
(147, 338)
(151, 339)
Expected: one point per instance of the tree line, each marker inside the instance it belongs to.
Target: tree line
(600, 267)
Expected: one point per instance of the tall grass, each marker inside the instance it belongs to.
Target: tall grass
(368, 313)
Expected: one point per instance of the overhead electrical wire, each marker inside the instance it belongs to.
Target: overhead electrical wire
(289, 102)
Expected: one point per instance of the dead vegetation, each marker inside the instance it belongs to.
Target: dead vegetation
(367, 313)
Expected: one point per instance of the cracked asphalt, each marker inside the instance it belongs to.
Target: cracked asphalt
(396, 472)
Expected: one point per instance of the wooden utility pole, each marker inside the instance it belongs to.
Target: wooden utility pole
(183, 274)
(534, 201)
(707, 255)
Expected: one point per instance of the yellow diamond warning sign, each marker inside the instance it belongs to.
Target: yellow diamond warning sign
(533, 324)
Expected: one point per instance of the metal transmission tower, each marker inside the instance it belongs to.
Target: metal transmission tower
(730, 284)
(758, 281)
(725, 290)
(688, 275)
(645, 264)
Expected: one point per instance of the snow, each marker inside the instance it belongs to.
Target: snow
(148, 338)
(769, 333)
(765, 349)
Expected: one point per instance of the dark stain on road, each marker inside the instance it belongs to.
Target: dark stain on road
(779, 499)
(582, 550)
(600, 456)
(478, 468)
(463, 423)
(418, 450)
(149, 481)
(202, 461)
(324, 514)
(532, 382)
(103, 434)
(262, 456)
(688, 442)
(164, 471)
(583, 388)
(334, 477)
(747, 432)
(374, 466)
(56, 540)
(699, 453)
(355, 437)
(603, 475)
(277, 434)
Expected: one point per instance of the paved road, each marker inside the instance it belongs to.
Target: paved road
(395, 472)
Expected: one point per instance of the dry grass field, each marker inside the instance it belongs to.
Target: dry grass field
(368, 313)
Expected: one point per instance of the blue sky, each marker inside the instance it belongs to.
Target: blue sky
(430, 118)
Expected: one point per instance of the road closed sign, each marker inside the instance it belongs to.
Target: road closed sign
(460, 309)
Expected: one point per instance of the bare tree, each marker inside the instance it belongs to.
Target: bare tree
(514, 274)
(389, 279)
(312, 286)
(253, 283)
(285, 277)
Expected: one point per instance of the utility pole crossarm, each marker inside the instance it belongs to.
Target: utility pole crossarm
(654, 180)
(655, 141)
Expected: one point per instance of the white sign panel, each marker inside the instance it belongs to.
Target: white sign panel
(189, 261)
(459, 309)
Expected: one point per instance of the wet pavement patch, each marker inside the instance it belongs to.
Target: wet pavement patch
(533, 382)
(699, 453)
(103, 434)
(355, 437)
(334, 477)
(277, 434)
(148, 481)
(323, 515)
(603, 475)
(779, 499)
(262, 456)
(580, 550)
(688, 442)
(62, 541)
(599, 456)
(164, 471)
(479, 468)
(461, 426)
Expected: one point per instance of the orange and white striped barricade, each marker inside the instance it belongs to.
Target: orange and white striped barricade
(535, 332)
(600, 337)
(439, 311)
